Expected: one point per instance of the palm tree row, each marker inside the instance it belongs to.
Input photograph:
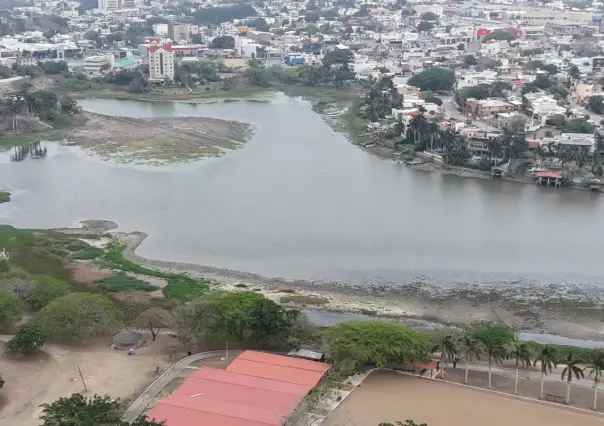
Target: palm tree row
(470, 346)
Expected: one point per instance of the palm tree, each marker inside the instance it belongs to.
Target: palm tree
(547, 358)
(444, 343)
(495, 352)
(595, 365)
(522, 354)
(571, 369)
(470, 349)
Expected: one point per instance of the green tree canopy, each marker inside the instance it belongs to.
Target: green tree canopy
(231, 315)
(44, 289)
(10, 308)
(358, 343)
(223, 42)
(429, 16)
(500, 35)
(29, 339)
(338, 56)
(424, 26)
(578, 125)
(77, 410)
(594, 103)
(434, 79)
(433, 100)
(79, 315)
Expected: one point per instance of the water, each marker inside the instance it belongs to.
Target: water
(299, 201)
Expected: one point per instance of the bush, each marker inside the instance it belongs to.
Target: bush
(87, 254)
(433, 100)
(45, 289)
(484, 164)
(29, 339)
(123, 282)
(77, 245)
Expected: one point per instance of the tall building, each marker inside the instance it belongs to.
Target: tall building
(178, 32)
(106, 5)
(161, 63)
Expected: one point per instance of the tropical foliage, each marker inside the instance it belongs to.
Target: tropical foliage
(29, 339)
(357, 344)
(434, 79)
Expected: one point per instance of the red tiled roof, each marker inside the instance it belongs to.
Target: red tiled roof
(533, 144)
(166, 47)
(555, 175)
(257, 389)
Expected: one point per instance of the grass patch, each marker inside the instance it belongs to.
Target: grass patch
(24, 248)
(122, 282)
(4, 197)
(354, 124)
(18, 139)
(65, 121)
(87, 254)
(180, 286)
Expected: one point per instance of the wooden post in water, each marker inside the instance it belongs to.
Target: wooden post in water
(82, 377)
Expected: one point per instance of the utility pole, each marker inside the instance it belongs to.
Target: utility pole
(82, 377)
(226, 353)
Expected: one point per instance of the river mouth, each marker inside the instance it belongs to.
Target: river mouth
(299, 201)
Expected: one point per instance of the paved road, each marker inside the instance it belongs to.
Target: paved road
(138, 406)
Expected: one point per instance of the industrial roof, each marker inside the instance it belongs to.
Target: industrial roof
(256, 389)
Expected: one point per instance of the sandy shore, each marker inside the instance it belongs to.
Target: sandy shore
(157, 140)
(409, 302)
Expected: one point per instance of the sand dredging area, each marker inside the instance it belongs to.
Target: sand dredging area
(157, 140)
(526, 307)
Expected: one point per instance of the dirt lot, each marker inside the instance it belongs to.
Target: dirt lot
(390, 397)
(159, 140)
(53, 374)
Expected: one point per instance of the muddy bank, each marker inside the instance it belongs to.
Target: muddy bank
(157, 140)
(571, 312)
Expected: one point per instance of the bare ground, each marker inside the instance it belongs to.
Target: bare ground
(54, 373)
(160, 140)
(389, 397)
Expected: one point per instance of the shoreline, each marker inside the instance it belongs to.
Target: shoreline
(410, 303)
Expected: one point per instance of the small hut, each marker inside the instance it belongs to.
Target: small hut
(127, 339)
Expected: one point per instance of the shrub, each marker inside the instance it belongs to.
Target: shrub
(29, 339)
(45, 289)
(87, 254)
(123, 282)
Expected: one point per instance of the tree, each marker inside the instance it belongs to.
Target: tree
(434, 79)
(495, 339)
(433, 100)
(429, 16)
(461, 46)
(445, 344)
(470, 349)
(594, 104)
(500, 35)
(44, 289)
(578, 125)
(470, 60)
(359, 343)
(571, 368)
(29, 339)
(153, 319)
(77, 410)
(595, 365)
(10, 308)
(232, 312)
(80, 315)
(189, 322)
(269, 320)
(223, 42)
(424, 26)
(337, 56)
(574, 72)
(67, 104)
(521, 354)
(546, 357)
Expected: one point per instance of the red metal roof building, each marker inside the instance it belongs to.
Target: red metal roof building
(257, 389)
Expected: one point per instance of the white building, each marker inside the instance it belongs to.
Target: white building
(161, 63)
(94, 64)
(584, 140)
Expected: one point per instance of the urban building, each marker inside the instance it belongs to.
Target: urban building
(161, 63)
(95, 64)
(178, 32)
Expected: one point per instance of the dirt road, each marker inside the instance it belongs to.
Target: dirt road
(54, 373)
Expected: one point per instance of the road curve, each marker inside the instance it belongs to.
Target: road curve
(139, 405)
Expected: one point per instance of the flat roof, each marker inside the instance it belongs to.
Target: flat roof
(256, 389)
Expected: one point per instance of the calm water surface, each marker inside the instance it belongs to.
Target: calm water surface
(299, 201)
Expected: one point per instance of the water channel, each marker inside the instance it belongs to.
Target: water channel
(299, 201)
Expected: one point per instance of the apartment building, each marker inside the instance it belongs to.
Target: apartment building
(179, 32)
(161, 63)
(487, 107)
